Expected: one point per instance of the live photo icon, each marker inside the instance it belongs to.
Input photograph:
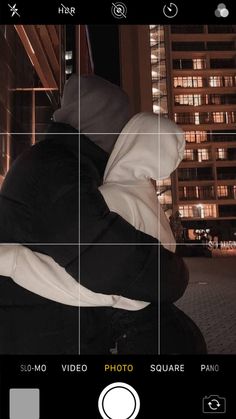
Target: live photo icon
(213, 404)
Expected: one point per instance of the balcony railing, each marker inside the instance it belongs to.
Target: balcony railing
(205, 118)
(221, 29)
(224, 176)
(189, 178)
(202, 46)
(187, 29)
(228, 196)
(197, 100)
(197, 198)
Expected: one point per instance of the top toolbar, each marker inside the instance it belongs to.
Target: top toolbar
(117, 12)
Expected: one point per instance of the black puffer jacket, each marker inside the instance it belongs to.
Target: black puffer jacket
(51, 207)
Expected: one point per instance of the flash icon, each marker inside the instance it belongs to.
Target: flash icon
(13, 10)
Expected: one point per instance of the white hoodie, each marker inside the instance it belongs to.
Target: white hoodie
(149, 147)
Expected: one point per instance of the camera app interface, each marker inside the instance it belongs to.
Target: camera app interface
(117, 212)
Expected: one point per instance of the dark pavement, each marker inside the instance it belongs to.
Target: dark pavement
(210, 300)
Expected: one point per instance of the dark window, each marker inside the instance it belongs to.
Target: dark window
(222, 99)
(227, 210)
(231, 153)
(184, 118)
(203, 173)
(220, 46)
(222, 63)
(221, 28)
(182, 64)
(188, 46)
(187, 28)
(193, 193)
(222, 136)
(226, 173)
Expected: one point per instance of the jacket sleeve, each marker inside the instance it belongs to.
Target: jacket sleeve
(40, 274)
(39, 197)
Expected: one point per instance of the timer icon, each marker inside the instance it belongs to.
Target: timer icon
(170, 10)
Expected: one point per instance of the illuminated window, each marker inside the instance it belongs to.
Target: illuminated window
(203, 154)
(215, 81)
(155, 91)
(197, 81)
(153, 38)
(199, 64)
(196, 118)
(209, 210)
(197, 100)
(201, 136)
(196, 136)
(234, 191)
(68, 55)
(218, 117)
(189, 155)
(165, 198)
(69, 69)
(188, 82)
(181, 100)
(178, 82)
(192, 100)
(222, 191)
(154, 74)
(186, 211)
(190, 136)
(164, 182)
(156, 107)
(154, 56)
(226, 191)
(228, 81)
(198, 211)
(221, 154)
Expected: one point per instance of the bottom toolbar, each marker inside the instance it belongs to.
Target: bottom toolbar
(115, 387)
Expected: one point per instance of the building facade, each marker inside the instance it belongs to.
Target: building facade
(194, 83)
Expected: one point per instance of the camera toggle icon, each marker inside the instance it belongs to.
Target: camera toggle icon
(214, 404)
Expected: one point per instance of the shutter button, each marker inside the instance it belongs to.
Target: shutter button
(119, 401)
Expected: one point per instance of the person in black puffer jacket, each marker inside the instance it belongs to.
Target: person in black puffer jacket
(40, 207)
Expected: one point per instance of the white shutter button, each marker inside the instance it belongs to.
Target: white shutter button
(119, 401)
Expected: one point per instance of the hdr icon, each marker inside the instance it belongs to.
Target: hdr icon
(65, 10)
